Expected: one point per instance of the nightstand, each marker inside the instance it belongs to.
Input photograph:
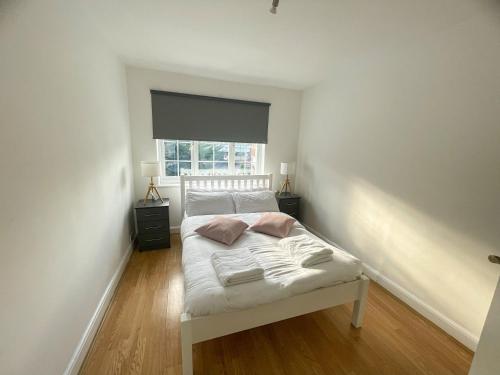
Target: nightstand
(153, 228)
(289, 204)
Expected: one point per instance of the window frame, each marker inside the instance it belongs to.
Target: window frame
(175, 180)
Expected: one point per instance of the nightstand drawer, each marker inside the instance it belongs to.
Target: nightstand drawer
(146, 227)
(293, 213)
(154, 240)
(154, 213)
(289, 205)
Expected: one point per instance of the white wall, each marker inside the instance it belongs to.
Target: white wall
(399, 162)
(66, 184)
(283, 120)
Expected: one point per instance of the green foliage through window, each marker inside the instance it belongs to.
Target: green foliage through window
(209, 158)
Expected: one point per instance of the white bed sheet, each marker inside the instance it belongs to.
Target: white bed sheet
(204, 294)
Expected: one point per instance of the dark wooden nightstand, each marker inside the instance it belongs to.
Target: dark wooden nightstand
(289, 204)
(153, 228)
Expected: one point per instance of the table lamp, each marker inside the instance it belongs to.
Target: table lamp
(151, 169)
(285, 170)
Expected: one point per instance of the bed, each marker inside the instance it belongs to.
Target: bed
(211, 310)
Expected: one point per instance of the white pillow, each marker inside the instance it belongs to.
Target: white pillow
(209, 203)
(257, 201)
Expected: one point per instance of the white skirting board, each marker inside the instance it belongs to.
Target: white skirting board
(175, 229)
(89, 333)
(446, 324)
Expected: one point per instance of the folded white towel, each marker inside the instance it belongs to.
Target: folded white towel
(306, 250)
(236, 266)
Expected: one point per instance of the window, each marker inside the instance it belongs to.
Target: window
(208, 159)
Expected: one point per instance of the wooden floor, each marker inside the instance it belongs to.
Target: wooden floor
(140, 335)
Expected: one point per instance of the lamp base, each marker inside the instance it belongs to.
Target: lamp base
(151, 190)
(286, 188)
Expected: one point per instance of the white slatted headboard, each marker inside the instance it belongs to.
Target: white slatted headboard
(224, 183)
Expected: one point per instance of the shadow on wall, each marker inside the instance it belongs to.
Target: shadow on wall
(125, 180)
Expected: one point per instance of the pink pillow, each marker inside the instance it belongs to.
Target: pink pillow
(223, 229)
(274, 223)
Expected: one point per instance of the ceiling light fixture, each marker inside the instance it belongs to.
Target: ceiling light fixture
(274, 7)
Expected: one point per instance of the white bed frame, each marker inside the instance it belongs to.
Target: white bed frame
(203, 328)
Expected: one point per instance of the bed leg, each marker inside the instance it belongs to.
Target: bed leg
(358, 311)
(186, 345)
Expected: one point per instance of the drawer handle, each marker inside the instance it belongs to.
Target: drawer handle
(155, 227)
(291, 203)
(154, 239)
(151, 214)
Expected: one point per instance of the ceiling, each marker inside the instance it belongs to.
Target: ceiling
(241, 40)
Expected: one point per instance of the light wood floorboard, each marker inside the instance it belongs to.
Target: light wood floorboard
(140, 334)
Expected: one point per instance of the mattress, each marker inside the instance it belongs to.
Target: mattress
(204, 294)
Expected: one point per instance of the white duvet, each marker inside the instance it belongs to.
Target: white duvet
(204, 293)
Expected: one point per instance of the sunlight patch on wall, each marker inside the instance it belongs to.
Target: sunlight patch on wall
(419, 253)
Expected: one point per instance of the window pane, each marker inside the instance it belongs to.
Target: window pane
(171, 150)
(184, 150)
(221, 168)
(185, 168)
(242, 168)
(242, 152)
(171, 169)
(205, 151)
(221, 151)
(205, 168)
(213, 158)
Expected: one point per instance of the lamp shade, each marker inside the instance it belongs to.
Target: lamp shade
(150, 168)
(284, 168)
(287, 168)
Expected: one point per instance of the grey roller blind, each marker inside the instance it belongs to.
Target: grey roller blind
(206, 118)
